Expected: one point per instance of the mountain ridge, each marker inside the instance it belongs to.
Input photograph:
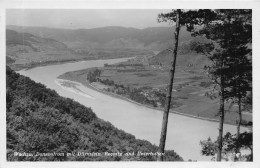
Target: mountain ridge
(152, 38)
(95, 42)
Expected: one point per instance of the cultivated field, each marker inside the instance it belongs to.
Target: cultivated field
(188, 91)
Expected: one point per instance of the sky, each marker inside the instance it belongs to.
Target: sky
(85, 18)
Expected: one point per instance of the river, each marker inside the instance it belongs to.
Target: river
(184, 133)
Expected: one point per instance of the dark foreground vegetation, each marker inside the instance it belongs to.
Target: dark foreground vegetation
(209, 147)
(42, 125)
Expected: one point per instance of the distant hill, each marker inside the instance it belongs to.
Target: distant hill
(154, 38)
(191, 61)
(26, 48)
(100, 43)
(186, 58)
(34, 43)
(14, 38)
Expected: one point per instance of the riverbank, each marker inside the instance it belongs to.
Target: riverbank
(89, 85)
(19, 67)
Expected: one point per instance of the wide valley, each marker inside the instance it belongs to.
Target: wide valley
(184, 133)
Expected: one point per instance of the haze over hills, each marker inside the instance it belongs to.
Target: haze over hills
(15, 38)
(24, 48)
(153, 38)
(21, 46)
(113, 41)
(104, 42)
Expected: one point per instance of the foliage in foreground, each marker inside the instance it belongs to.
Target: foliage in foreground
(209, 147)
(39, 120)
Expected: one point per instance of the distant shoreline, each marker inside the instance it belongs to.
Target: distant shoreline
(19, 67)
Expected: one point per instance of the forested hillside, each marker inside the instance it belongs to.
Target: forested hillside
(41, 122)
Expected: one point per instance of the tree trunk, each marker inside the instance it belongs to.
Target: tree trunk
(238, 124)
(251, 157)
(169, 94)
(221, 118)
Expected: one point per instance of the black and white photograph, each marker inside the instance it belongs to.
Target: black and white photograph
(151, 85)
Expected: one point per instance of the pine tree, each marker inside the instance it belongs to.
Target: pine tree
(240, 63)
(177, 14)
(230, 32)
(181, 18)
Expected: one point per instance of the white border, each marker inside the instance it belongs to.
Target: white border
(134, 4)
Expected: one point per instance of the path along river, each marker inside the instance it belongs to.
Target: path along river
(184, 133)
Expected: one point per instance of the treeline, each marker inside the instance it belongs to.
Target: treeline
(93, 75)
(137, 95)
(123, 65)
(143, 95)
(39, 120)
(34, 64)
